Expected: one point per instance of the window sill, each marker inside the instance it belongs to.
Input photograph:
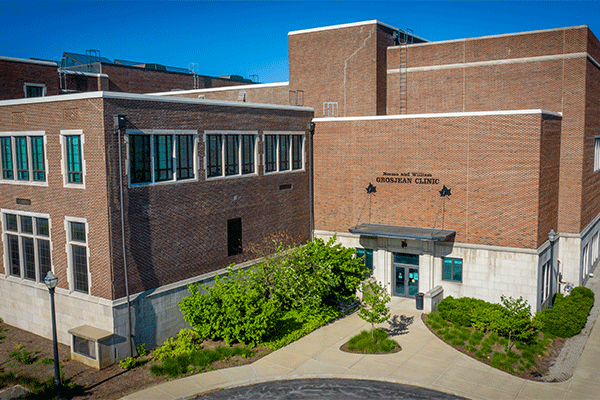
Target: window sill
(27, 183)
(222, 177)
(74, 185)
(289, 171)
(161, 183)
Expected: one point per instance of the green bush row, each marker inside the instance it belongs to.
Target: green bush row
(569, 314)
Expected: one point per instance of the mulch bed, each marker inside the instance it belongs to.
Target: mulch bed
(109, 383)
(537, 373)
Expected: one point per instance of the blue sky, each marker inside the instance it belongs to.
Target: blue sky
(250, 37)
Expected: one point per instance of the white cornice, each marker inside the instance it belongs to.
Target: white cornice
(327, 28)
(495, 36)
(92, 74)
(439, 115)
(220, 89)
(23, 60)
(145, 97)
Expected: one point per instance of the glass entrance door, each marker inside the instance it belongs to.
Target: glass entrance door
(406, 274)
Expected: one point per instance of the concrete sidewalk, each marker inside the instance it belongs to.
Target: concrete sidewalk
(424, 361)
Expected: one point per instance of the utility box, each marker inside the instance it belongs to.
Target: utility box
(92, 346)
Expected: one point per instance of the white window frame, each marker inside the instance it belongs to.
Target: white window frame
(239, 134)
(26, 85)
(27, 134)
(155, 132)
(68, 244)
(63, 162)
(596, 153)
(38, 279)
(290, 134)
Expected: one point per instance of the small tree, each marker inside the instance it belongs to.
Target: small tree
(517, 320)
(374, 308)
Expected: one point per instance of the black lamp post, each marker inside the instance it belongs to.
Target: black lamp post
(552, 236)
(51, 280)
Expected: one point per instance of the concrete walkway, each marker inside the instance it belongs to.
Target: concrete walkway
(424, 361)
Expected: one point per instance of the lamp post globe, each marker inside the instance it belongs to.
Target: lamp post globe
(51, 280)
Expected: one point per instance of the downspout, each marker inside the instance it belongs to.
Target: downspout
(120, 124)
(311, 131)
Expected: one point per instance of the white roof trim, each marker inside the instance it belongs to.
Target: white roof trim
(145, 97)
(23, 60)
(492, 62)
(71, 72)
(219, 89)
(495, 36)
(326, 28)
(439, 115)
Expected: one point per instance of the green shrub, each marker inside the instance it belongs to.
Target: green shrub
(458, 310)
(23, 356)
(475, 338)
(186, 342)
(370, 342)
(189, 362)
(141, 349)
(569, 315)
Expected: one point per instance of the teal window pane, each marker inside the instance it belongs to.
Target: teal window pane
(163, 158)
(296, 152)
(270, 153)
(447, 269)
(185, 156)
(37, 156)
(7, 158)
(231, 155)
(74, 165)
(139, 159)
(213, 156)
(284, 152)
(457, 272)
(403, 258)
(247, 154)
(22, 159)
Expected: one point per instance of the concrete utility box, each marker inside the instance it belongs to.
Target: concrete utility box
(433, 298)
(92, 346)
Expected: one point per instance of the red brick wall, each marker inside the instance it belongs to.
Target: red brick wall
(549, 177)
(56, 200)
(590, 202)
(265, 95)
(140, 80)
(176, 231)
(490, 163)
(339, 65)
(15, 74)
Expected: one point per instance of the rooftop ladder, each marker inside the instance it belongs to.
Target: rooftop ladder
(404, 39)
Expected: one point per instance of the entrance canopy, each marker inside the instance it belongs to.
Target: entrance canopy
(404, 232)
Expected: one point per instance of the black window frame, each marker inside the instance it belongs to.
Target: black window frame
(230, 154)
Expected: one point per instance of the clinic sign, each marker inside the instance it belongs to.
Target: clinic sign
(418, 178)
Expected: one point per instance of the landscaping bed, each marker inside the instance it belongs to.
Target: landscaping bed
(85, 382)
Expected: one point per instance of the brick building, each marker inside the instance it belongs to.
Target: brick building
(202, 183)
(447, 164)
(508, 123)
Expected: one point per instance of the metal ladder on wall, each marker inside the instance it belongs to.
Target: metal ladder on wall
(404, 39)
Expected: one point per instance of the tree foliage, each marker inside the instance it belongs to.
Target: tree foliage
(569, 315)
(374, 308)
(248, 306)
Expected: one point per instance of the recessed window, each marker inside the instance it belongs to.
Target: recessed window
(230, 154)
(78, 254)
(597, 153)
(161, 156)
(234, 236)
(283, 152)
(34, 90)
(27, 245)
(72, 143)
(367, 255)
(452, 269)
(23, 158)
